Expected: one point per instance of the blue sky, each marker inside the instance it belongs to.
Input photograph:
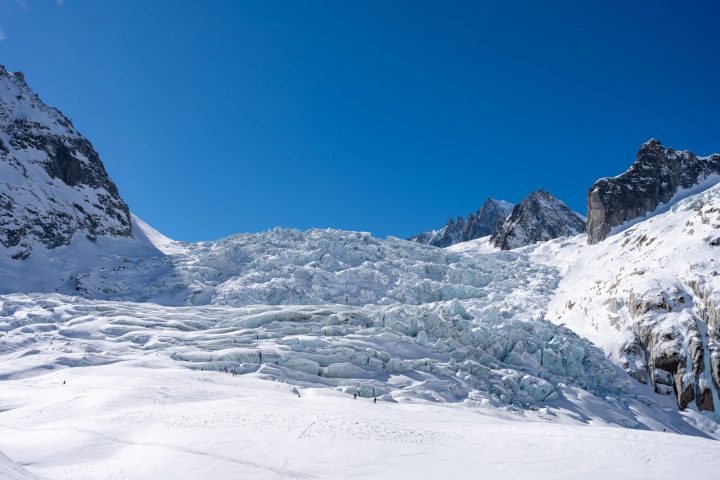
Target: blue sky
(385, 116)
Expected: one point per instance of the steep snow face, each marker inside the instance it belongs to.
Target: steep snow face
(52, 182)
(479, 224)
(650, 297)
(658, 175)
(538, 218)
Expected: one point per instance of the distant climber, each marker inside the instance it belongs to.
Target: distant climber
(375, 400)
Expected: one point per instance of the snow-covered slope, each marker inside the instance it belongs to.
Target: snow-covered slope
(649, 296)
(538, 218)
(52, 182)
(479, 224)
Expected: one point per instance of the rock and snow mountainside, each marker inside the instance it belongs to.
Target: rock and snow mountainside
(657, 176)
(52, 182)
(538, 218)
(650, 297)
(479, 224)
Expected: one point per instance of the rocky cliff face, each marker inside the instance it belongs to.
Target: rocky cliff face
(540, 217)
(656, 176)
(478, 224)
(52, 182)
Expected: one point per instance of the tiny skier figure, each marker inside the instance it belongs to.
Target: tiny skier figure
(375, 400)
(354, 396)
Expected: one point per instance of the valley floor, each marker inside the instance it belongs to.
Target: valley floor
(125, 421)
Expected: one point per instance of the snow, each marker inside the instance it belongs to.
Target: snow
(9, 470)
(478, 246)
(129, 421)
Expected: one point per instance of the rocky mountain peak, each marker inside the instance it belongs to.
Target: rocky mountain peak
(52, 181)
(479, 224)
(657, 175)
(539, 217)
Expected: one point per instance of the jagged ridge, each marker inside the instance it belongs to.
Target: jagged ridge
(477, 225)
(654, 179)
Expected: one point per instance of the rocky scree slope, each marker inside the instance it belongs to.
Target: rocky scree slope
(52, 182)
(479, 224)
(657, 175)
(539, 217)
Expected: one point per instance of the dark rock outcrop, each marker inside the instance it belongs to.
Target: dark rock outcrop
(670, 351)
(655, 177)
(479, 224)
(52, 182)
(540, 217)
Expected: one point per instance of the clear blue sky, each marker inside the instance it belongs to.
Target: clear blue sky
(216, 117)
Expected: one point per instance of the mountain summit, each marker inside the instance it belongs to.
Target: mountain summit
(658, 175)
(538, 218)
(52, 182)
(478, 224)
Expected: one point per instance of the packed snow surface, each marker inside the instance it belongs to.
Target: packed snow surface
(146, 419)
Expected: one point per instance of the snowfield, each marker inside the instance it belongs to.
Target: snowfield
(261, 356)
(126, 420)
